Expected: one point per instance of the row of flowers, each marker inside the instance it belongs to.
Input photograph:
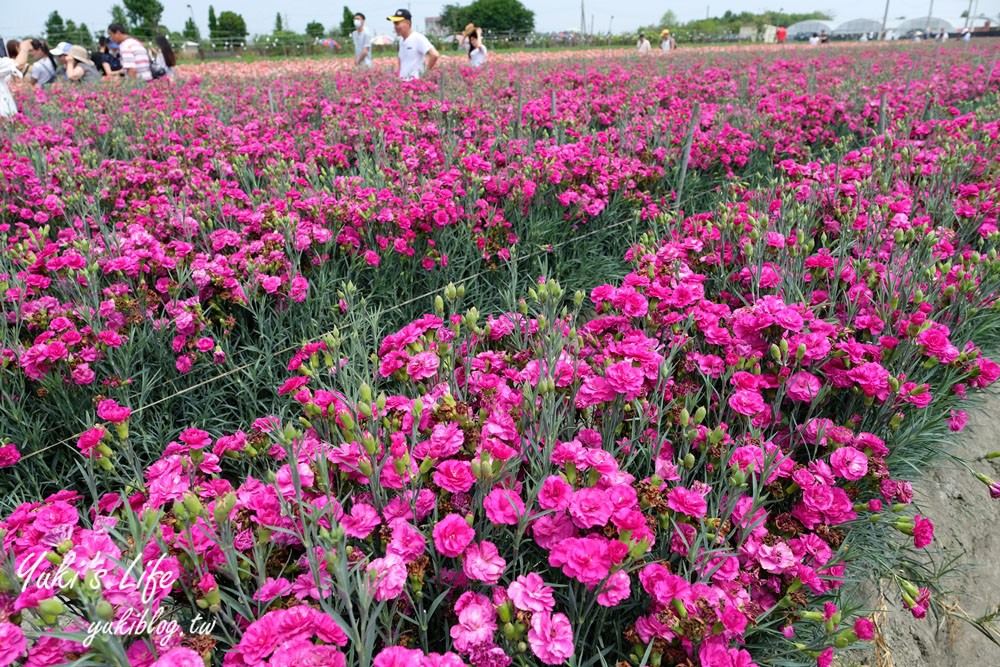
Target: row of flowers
(691, 458)
(177, 214)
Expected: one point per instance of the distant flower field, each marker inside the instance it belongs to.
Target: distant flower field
(578, 359)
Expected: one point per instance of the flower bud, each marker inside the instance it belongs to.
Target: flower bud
(51, 607)
(105, 611)
(699, 414)
(224, 507)
(346, 419)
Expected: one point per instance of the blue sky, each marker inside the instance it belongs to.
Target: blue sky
(550, 15)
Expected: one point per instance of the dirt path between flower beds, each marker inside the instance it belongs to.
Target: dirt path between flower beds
(967, 525)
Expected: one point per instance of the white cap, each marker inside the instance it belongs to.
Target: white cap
(62, 49)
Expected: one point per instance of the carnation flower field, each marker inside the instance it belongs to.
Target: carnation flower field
(577, 359)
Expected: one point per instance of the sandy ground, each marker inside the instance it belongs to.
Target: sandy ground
(967, 525)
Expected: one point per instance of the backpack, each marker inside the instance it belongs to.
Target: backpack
(156, 69)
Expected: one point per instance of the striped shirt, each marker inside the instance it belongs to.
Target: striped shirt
(135, 56)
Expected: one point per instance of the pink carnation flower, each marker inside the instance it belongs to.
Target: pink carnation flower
(590, 507)
(423, 366)
(452, 535)
(389, 574)
(617, 588)
(864, 629)
(476, 622)
(849, 463)
(89, 441)
(179, 657)
(9, 455)
(747, 402)
(398, 656)
(872, 378)
(482, 562)
(109, 410)
(958, 420)
(776, 559)
(923, 531)
(803, 386)
(503, 506)
(551, 638)
(687, 502)
(454, 476)
(529, 593)
(555, 493)
(12, 643)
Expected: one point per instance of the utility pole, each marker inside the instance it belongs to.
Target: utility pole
(968, 14)
(885, 19)
(930, 12)
(583, 20)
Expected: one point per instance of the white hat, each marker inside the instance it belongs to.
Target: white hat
(62, 49)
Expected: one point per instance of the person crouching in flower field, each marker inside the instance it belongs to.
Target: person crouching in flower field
(79, 67)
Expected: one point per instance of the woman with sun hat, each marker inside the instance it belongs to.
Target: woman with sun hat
(667, 43)
(473, 36)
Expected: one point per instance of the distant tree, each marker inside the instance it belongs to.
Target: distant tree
(731, 22)
(144, 15)
(347, 22)
(669, 18)
(118, 16)
(315, 29)
(78, 34)
(232, 29)
(491, 15)
(191, 32)
(55, 29)
(278, 27)
(213, 24)
(454, 17)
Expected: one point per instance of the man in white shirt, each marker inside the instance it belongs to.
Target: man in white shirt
(135, 57)
(362, 42)
(643, 45)
(416, 53)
